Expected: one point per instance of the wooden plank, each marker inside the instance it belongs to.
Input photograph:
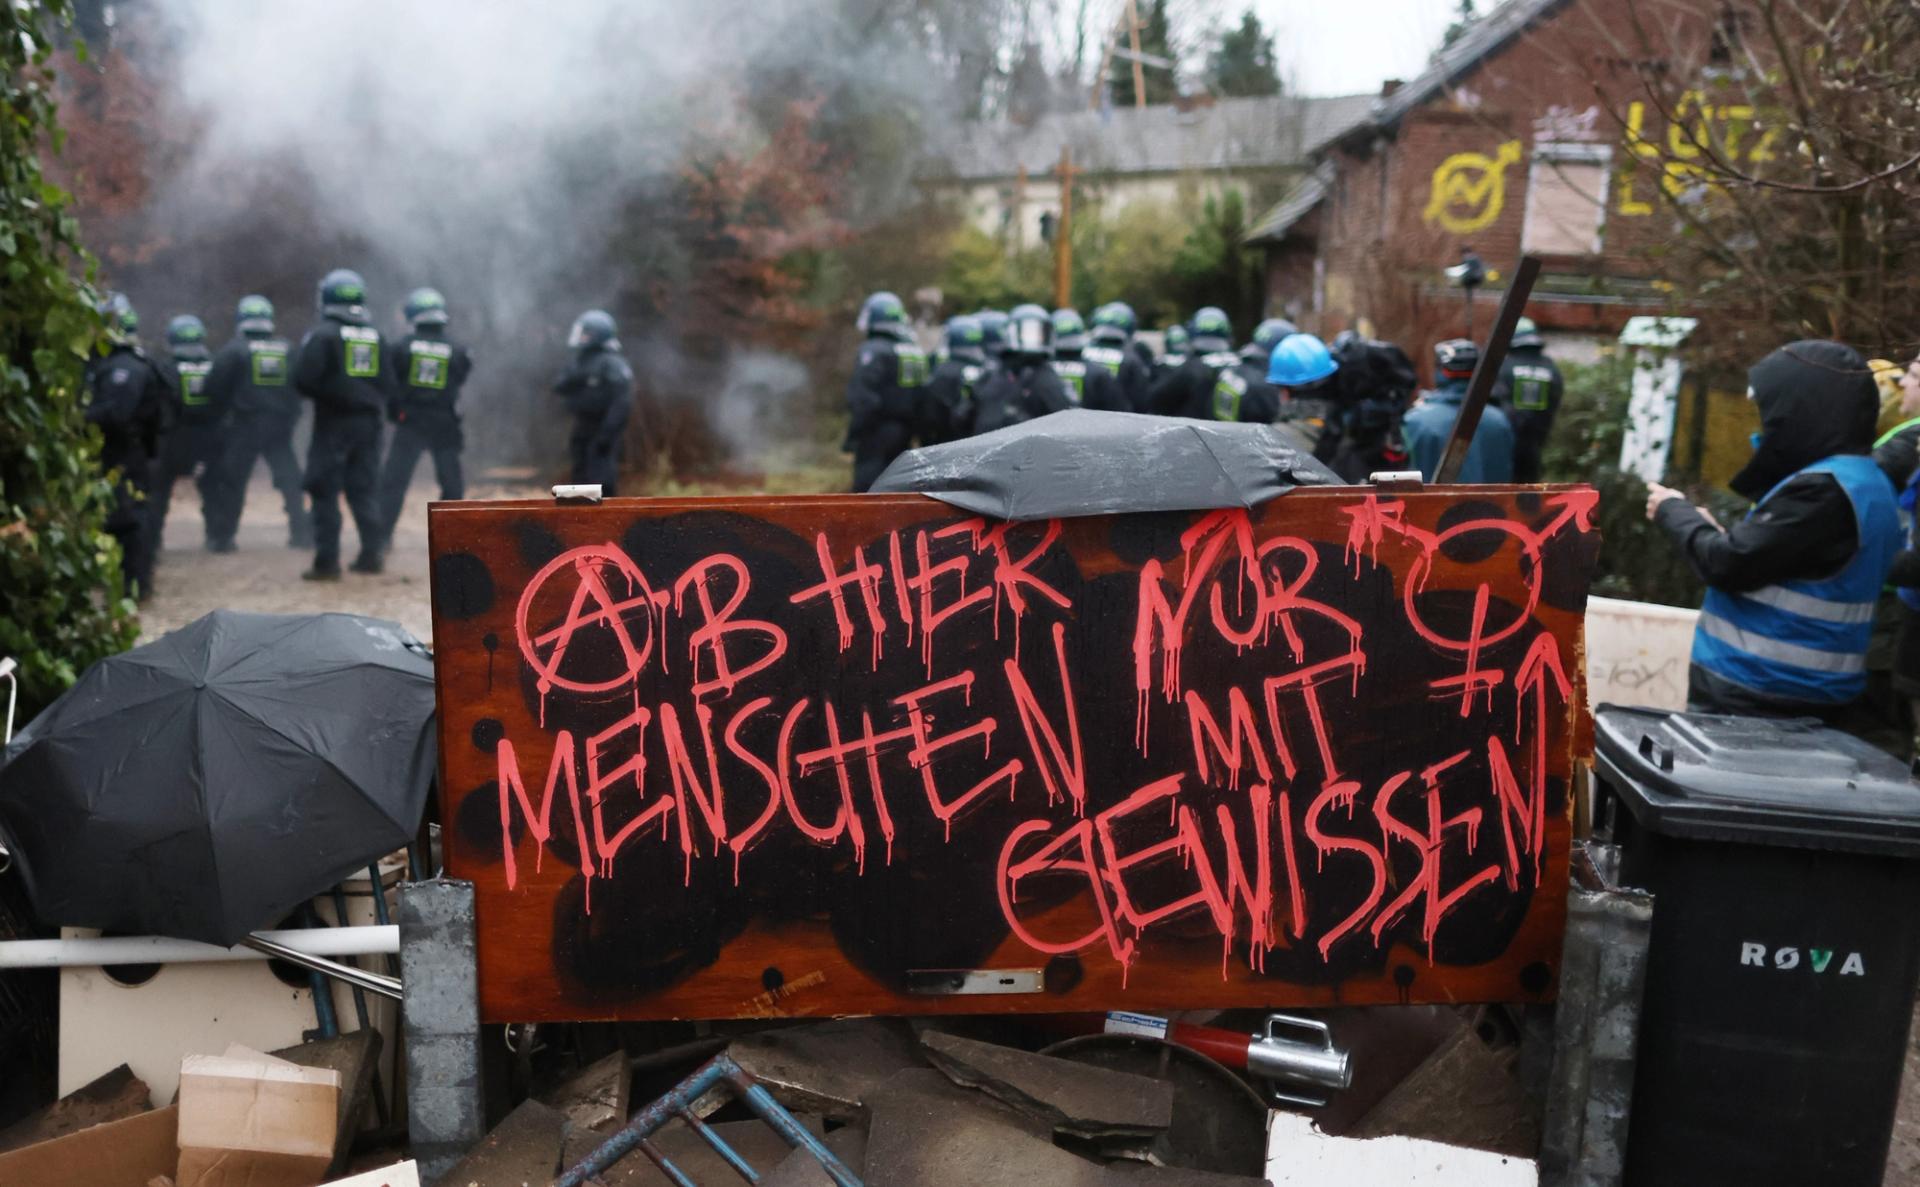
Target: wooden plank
(758, 757)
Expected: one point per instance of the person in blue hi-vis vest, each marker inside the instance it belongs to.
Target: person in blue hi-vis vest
(1791, 588)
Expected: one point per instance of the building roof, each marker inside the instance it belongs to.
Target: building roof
(1262, 133)
(1299, 202)
(1484, 38)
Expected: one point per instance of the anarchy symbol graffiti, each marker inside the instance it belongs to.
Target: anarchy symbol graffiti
(594, 606)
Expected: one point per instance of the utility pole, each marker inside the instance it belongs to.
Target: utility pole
(1063, 235)
(1019, 209)
(1139, 67)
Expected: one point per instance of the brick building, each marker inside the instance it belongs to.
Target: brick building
(1520, 136)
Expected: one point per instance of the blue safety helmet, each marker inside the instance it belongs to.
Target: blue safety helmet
(426, 307)
(1299, 360)
(254, 314)
(186, 333)
(344, 295)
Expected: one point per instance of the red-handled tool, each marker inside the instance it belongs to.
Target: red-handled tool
(1290, 1065)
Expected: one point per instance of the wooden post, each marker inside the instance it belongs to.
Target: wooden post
(1063, 235)
(1019, 208)
(1139, 68)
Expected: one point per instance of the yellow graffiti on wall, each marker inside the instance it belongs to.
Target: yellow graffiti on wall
(1470, 189)
(1732, 130)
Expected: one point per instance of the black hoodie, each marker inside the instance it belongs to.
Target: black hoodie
(1816, 399)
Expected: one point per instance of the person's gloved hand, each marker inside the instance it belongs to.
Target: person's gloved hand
(1656, 495)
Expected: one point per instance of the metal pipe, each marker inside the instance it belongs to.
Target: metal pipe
(85, 951)
(389, 986)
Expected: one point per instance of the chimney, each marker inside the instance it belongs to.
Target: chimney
(1389, 86)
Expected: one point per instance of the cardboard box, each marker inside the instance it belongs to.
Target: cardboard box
(400, 1174)
(126, 1153)
(249, 1120)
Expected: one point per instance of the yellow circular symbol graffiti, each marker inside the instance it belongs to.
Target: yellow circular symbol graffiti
(1470, 188)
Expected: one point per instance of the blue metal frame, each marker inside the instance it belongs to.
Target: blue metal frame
(719, 1072)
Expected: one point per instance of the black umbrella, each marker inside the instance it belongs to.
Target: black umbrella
(206, 784)
(1102, 463)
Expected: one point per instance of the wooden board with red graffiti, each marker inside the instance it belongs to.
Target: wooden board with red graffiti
(713, 758)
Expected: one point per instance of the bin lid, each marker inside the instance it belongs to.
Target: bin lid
(1760, 780)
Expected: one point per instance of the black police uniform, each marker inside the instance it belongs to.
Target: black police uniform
(1529, 388)
(1134, 374)
(252, 378)
(427, 371)
(1023, 388)
(341, 368)
(127, 396)
(194, 441)
(1090, 384)
(947, 413)
(598, 390)
(1241, 393)
(884, 404)
(1187, 390)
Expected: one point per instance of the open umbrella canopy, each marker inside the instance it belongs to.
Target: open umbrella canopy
(1101, 463)
(205, 784)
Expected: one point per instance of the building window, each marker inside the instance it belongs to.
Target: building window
(1567, 199)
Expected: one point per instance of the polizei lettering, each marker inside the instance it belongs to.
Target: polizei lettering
(1786, 960)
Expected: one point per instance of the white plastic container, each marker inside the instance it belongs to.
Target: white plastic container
(1637, 653)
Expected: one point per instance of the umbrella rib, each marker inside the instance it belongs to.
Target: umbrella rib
(206, 807)
(344, 777)
(1215, 459)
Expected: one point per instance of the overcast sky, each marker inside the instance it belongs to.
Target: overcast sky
(1342, 47)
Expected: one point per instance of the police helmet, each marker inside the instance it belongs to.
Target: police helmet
(343, 294)
(1299, 360)
(254, 314)
(426, 307)
(1029, 331)
(1211, 330)
(122, 321)
(993, 328)
(1177, 339)
(1456, 357)
(883, 313)
(1069, 331)
(594, 328)
(966, 338)
(187, 335)
(1268, 334)
(1114, 322)
(1526, 334)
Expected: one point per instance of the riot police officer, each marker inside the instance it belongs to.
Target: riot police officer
(1172, 359)
(1089, 385)
(1529, 389)
(1188, 389)
(949, 405)
(250, 377)
(598, 389)
(127, 396)
(1242, 391)
(886, 390)
(427, 371)
(1026, 386)
(341, 367)
(1112, 347)
(1429, 424)
(195, 435)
